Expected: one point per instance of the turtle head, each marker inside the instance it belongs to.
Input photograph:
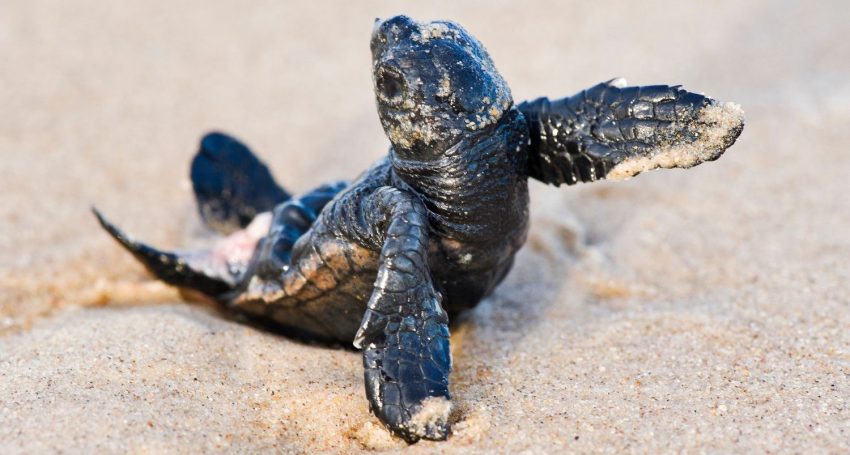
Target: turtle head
(434, 83)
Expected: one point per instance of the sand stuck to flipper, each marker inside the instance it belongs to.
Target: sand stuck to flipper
(722, 122)
(431, 418)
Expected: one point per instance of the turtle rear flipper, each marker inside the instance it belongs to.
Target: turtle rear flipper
(610, 131)
(213, 272)
(231, 184)
(263, 247)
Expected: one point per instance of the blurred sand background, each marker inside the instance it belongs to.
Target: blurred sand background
(701, 311)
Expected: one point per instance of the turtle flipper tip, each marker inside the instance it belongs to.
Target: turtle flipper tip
(96, 213)
(115, 232)
(144, 253)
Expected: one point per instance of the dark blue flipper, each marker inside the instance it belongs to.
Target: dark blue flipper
(613, 132)
(404, 333)
(231, 185)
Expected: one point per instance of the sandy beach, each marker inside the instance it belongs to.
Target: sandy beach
(697, 311)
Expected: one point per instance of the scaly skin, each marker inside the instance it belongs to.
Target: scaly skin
(434, 227)
(584, 137)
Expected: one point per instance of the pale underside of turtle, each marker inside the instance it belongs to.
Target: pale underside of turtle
(428, 231)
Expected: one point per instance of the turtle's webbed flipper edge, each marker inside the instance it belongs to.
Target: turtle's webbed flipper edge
(231, 184)
(213, 272)
(614, 132)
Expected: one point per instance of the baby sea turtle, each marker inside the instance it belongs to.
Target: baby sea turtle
(433, 227)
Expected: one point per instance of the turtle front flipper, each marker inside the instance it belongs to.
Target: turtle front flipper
(404, 334)
(213, 272)
(611, 131)
(231, 184)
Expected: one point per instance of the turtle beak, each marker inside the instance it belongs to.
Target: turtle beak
(378, 42)
(375, 26)
(388, 32)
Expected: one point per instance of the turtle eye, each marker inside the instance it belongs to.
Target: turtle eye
(390, 85)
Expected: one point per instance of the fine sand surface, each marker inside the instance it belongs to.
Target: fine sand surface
(705, 310)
